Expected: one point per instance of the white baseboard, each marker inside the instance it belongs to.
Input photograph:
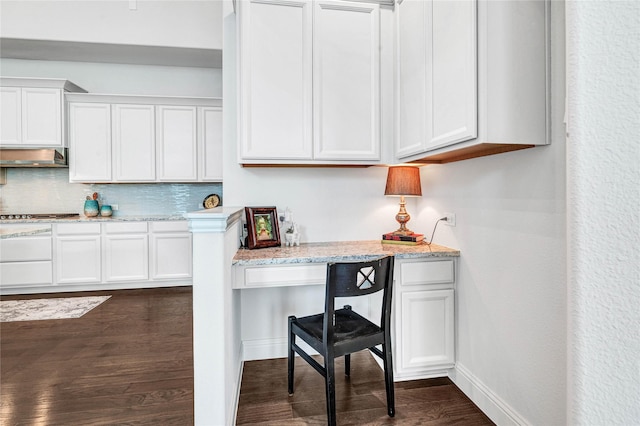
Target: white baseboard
(270, 348)
(491, 404)
(234, 410)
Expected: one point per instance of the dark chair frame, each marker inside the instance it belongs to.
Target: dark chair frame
(341, 332)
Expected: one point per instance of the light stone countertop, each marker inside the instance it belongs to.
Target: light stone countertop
(342, 251)
(23, 231)
(115, 218)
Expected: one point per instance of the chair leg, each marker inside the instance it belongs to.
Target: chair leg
(330, 383)
(347, 365)
(388, 380)
(291, 357)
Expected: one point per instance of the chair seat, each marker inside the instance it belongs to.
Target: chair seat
(351, 329)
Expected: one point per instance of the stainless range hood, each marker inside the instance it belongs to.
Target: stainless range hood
(34, 157)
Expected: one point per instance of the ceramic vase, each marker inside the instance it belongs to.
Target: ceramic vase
(91, 208)
(106, 210)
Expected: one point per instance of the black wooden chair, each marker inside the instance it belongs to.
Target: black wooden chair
(341, 332)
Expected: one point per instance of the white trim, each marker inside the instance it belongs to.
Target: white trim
(233, 413)
(491, 404)
(275, 347)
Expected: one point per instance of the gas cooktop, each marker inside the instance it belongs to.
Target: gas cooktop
(18, 216)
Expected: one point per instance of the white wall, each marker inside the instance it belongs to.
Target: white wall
(122, 78)
(170, 23)
(604, 212)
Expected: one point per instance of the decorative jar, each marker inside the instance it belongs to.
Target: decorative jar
(106, 210)
(91, 208)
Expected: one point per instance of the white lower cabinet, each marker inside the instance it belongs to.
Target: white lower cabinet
(77, 253)
(100, 255)
(25, 260)
(171, 254)
(424, 338)
(125, 251)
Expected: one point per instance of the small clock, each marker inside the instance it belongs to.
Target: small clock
(211, 201)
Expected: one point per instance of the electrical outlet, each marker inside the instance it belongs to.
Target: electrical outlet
(451, 219)
(114, 207)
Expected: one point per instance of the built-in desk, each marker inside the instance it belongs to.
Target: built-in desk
(241, 299)
(423, 299)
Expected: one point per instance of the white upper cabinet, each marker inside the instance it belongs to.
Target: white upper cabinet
(90, 142)
(134, 143)
(472, 78)
(32, 112)
(346, 81)
(436, 74)
(210, 146)
(275, 80)
(117, 138)
(309, 82)
(11, 119)
(177, 145)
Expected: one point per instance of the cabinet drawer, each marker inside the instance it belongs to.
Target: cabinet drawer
(26, 273)
(23, 249)
(170, 226)
(77, 228)
(281, 276)
(125, 227)
(433, 272)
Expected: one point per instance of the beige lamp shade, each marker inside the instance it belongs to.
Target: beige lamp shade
(403, 180)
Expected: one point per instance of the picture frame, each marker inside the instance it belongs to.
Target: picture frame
(262, 227)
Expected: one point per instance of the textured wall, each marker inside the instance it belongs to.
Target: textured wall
(604, 212)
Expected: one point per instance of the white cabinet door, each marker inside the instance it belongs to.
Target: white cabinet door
(453, 73)
(210, 144)
(171, 250)
(436, 74)
(42, 117)
(77, 255)
(134, 150)
(425, 334)
(412, 88)
(126, 252)
(275, 79)
(177, 149)
(10, 118)
(90, 142)
(346, 80)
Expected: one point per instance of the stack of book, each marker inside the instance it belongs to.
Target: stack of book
(410, 240)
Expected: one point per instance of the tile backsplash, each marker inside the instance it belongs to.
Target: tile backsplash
(47, 190)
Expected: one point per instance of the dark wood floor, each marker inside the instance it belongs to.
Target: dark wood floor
(360, 399)
(130, 361)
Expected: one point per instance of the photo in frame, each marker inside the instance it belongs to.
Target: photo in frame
(262, 227)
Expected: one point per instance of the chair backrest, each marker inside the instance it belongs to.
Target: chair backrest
(349, 279)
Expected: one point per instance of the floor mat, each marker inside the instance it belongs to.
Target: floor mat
(48, 309)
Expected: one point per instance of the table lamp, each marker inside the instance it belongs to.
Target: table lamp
(405, 182)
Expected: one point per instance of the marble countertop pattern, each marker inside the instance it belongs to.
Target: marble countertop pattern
(23, 231)
(342, 251)
(115, 218)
